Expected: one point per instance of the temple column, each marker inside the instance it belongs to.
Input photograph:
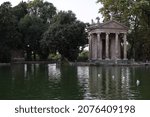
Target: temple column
(99, 47)
(116, 45)
(107, 46)
(90, 47)
(95, 48)
(125, 46)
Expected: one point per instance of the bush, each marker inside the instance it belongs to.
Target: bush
(83, 56)
(54, 57)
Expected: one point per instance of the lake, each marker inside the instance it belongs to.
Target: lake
(52, 82)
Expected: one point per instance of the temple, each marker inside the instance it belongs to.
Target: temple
(107, 41)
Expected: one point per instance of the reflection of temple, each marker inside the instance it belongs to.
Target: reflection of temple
(107, 41)
(110, 82)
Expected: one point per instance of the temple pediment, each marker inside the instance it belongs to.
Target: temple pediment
(113, 25)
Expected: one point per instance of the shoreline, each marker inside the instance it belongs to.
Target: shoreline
(80, 63)
(99, 64)
(28, 62)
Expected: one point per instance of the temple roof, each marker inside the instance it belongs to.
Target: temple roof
(111, 25)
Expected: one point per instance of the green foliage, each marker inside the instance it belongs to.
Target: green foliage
(33, 25)
(9, 35)
(65, 35)
(35, 28)
(83, 56)
(20, 10)
(22, 26)
(54, 57)
(32, 28)
(44, 10)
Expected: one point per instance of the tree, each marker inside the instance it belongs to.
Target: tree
(44, 10)
(66, 35)
(20, 10)
(9, 35)
(32, 28)
(33, 25)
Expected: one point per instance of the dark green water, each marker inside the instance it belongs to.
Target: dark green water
(48, 81)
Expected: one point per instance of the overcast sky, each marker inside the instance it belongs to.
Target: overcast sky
(85, 10)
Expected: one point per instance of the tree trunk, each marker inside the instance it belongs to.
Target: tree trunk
(34, 56)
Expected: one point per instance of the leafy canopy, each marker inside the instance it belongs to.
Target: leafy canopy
(66, 34)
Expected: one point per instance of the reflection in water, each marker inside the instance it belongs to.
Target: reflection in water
(83, 76)
(53, 70)
(49, 81)
(40, 81)
(113, 83)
